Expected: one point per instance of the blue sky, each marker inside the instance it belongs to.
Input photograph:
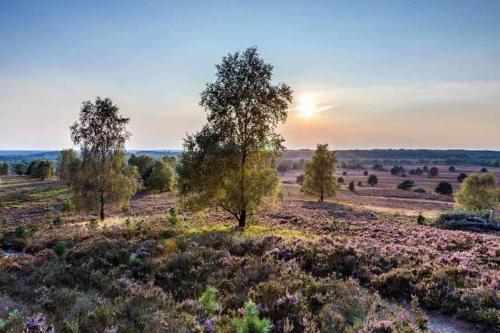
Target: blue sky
(376, 69)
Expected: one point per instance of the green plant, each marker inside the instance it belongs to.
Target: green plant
(21, 232)
(134, 260)
(142, 225)
(479, 192)
(60, 248)
(372, 180)
(209, 301)
(444, 188)
(58, 221)
(67, 206)
(420, 219)
(352, 188)
(406, 185)
(125, 207)
(47, 212)
(93, 224)
(172, 217)
(251, 323)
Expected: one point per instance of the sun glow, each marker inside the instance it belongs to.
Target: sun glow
(307, 106)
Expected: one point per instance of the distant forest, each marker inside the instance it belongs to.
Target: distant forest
(384, 156)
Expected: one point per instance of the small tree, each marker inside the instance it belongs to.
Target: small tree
(318, 177)
(31, 168)
(352, 188)
(340, 180)
(484, 170)
(478, 192)
(144, 166)
(300, 179)
(365, 173)
(4, 169)
(161, 177)
(43, 170)
(231, 162)
(444, 188)
(461, 177)
(406, 185)
(451, 169)
(433, 172)
(67, 164)
(104, 177)
(372, 180)
(20, 169)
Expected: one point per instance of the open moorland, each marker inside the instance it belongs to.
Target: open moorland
(357, 262)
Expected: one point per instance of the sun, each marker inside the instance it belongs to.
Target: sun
(307, 106)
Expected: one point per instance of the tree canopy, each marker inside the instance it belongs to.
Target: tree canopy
(231, 161)
(318, 177)
(478, 192)
(104, 177)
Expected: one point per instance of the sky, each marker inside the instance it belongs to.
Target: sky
(365, 74)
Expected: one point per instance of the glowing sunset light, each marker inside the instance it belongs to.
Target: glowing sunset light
(307, 105)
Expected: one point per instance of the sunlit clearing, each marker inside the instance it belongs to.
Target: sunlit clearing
(307, 106)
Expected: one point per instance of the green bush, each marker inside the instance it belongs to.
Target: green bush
(372, 180)
(251, 323)
(58, 221)
(406, 185)
(461, 177)
(444, 188)
(209, 301)
(352, 188)
(479, 192)
(60, 248)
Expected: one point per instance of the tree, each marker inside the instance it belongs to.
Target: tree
(161, 177)
(461, 177)
(433, 172)
(340, 180)
(406, 185)
(231, 162)
(43, 169)
(318, 176)
(444, 188)
(67, 164)
(31, 167)
(484, 170)
(104, 177)
(478, 192)
(4, 169)
(352, 188)
(144, 166)
(365, 173)
(372, 180)
(452, 169)
(20, 169)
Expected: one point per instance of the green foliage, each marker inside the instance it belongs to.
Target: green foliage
(340, 180)
(20, 169)
(134, 260)
(67, 165)
(161, 177)
(42, 169)
(142, 225)
(318, 176)
(406, 185)
(103, 175)
(67, 206)
(478, 192)
(461, 177)
(21, 232)
(420, 219)
(231, 162)
(93, 223)
(60, 248)
(209, 300)
(251, 323)
(4, 169)
(444, 188)
(372, 180)
(144, 165)
(58, 221)
(172, 218)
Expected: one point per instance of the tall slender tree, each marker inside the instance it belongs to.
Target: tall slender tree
(104, 176)
(231, 162)
(67, 164)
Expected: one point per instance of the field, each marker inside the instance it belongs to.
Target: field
(353, 263)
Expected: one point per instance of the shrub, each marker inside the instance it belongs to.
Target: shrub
(93, 224)
(451, 169)
(420, 219)
(433, 172)
(251, 323)
(209, 301)
(60, 248)
(484, 170)
(161, 177)
(479, 192)
(340, 180)
(397, 170)
(365, 173)
(406, 185)
(21, 232)
(4, 169)
(172, 217)
(351, 186)
(360, 183)
(372, 180)
(461, 177)
(344, 173)
(67, 206)
(300, 179)
(134, 260)
(378, 167)
(58, 221)
(20, 169)
(43, 170)
(444, 188)
(463, 220)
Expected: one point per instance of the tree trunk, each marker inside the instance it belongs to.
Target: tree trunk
(102, 206)
(242, 219)
(321, 196)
